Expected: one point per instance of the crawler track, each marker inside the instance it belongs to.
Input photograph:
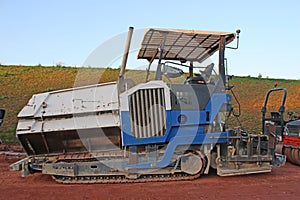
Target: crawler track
(123, 179)
(108, 179)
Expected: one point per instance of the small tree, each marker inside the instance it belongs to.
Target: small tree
(259, 75)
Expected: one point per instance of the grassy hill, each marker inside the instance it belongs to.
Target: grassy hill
(19, 83)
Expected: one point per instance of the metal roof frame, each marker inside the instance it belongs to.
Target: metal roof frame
(180, 44)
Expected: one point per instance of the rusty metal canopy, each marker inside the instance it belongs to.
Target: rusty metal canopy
(179, 44)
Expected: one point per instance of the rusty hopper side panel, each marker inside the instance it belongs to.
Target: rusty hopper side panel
(71, 120)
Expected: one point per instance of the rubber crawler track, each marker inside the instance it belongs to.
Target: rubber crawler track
(123, 179)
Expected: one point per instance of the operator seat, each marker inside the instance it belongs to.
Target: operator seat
(203, 77)
(198, 79)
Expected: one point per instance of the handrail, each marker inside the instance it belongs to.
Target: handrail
(281, 109)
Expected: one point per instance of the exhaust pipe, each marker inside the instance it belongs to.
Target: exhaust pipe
(124, 61)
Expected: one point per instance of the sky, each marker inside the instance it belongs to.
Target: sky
(36, 32)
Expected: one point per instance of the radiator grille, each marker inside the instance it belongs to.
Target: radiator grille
(148, 113)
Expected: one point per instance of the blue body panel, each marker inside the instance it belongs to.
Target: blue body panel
(183, 137)
(190, 131)
(195, 119)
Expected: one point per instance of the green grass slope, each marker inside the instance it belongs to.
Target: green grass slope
(19, 83)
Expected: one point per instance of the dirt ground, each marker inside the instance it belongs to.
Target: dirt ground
(281, 183)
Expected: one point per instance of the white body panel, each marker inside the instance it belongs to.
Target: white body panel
(86, 107)
(95, 106)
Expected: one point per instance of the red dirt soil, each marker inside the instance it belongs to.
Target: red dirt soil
(281, 183)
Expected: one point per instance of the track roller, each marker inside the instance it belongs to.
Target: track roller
(296, 156)
(193, 162)
(288, 153)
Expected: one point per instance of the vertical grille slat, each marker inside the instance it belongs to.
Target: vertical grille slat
(143, 110)
(151, 117)
(159, 114)
(155, 116)
(148, 113)
(138, 115)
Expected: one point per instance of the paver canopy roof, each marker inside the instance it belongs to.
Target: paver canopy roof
(179, 44)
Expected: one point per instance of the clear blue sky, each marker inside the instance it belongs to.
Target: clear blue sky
(47, 32)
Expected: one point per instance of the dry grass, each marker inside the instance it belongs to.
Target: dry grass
(19, 83)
